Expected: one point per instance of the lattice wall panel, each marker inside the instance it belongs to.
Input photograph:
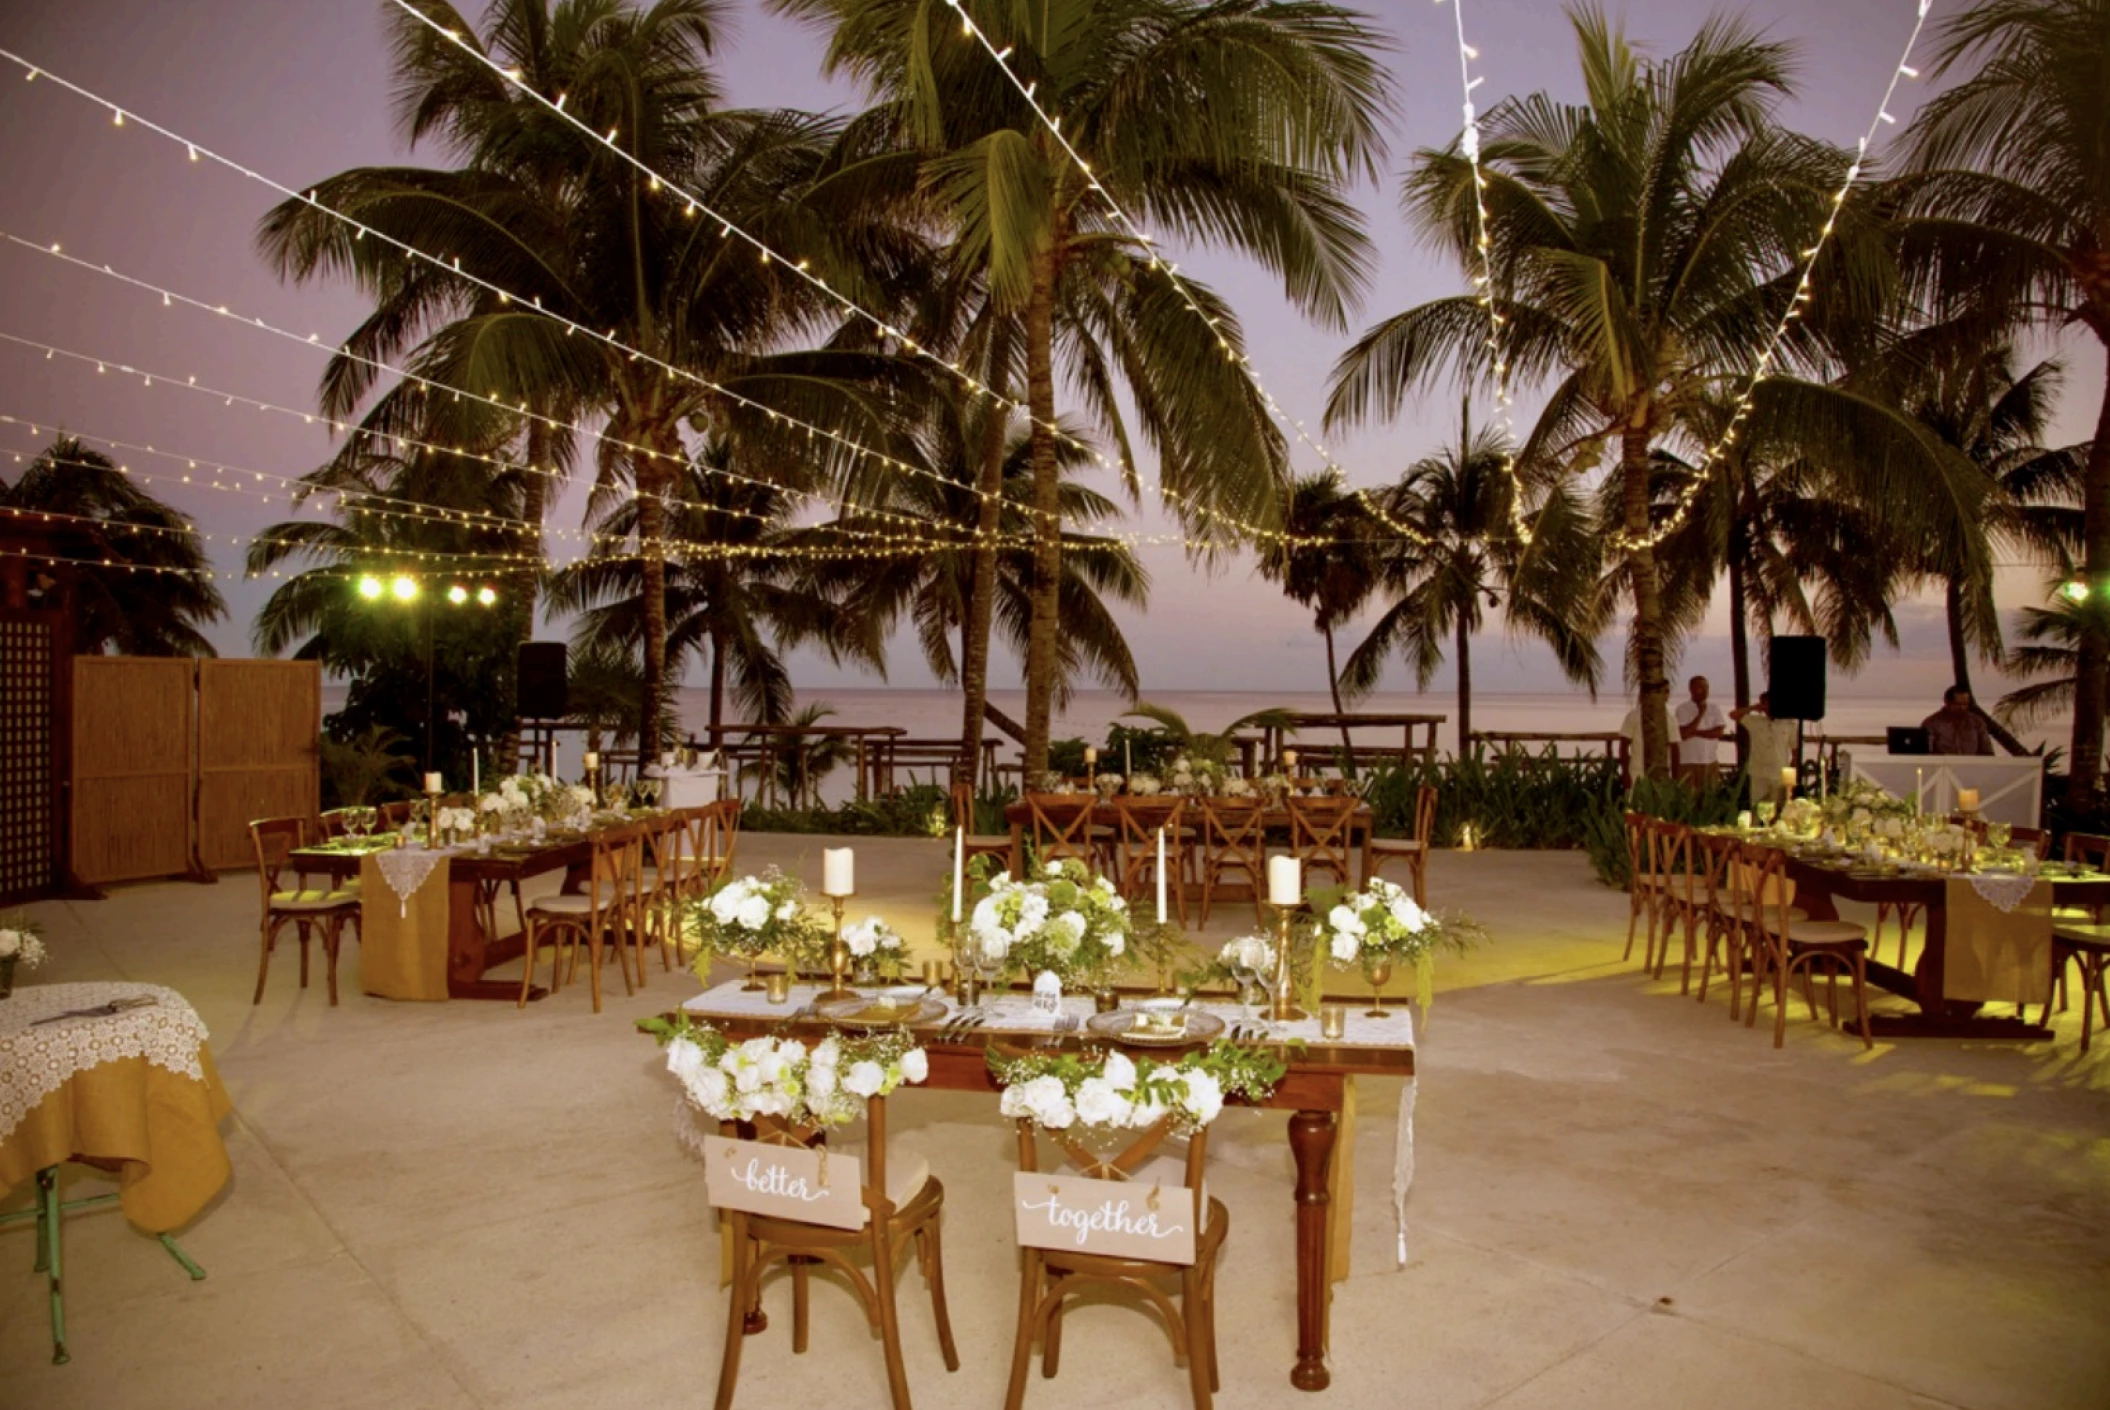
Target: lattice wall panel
(29, 855)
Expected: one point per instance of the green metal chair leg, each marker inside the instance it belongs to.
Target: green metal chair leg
(168, 1242)
(48, 1211)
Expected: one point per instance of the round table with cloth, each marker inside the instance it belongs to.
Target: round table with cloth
(133, 1092)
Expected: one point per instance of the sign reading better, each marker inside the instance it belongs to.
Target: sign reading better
(1142, 1218)
(784, 1182)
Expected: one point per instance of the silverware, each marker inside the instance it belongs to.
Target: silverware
(115, 1006)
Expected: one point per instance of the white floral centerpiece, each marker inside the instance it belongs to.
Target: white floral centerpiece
(827, 1084)
(1382, 925)
(1107, 784)
(752, 916)
(876, 945)
(1238, 787)
(1065, 922)
(1196, 777)
(455, 824)
(1110, 1091)
(21, 945)
(1145, 785)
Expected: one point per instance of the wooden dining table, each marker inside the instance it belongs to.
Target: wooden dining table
(1106, 814)
(471, 950)
(1821, 883)
(1317, 1091)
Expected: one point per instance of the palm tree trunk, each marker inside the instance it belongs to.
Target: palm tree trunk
(717, 690)
(1739, 640)
(1645, 639)
(2092, 675)
(1959, 649)
(652, 552)
(1465, 684)
(981, 599)
(1333, 688)
(1047, 521)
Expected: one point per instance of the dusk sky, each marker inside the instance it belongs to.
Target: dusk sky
(298, 89)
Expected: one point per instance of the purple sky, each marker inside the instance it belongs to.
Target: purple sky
(297, 89)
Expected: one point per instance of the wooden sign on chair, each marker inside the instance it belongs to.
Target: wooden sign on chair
(1150, 1216)
(784, 1182)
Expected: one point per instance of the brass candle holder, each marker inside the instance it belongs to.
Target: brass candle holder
(432, 819)
(1282, 1005)
(839, 957)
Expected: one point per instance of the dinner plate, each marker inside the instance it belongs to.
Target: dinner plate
(1121, 1026)
(876, 1011)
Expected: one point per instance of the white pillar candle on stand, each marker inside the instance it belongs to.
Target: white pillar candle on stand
(1091, 756)
(1787, 778)
(591, 761)
(1967, 800)
(1285, 881)
(1289, 761)
(1161, 876)
(1128, 759)
(959, 869)
(838, 872)
(432, 783)
(1919, 787)
(476, 771)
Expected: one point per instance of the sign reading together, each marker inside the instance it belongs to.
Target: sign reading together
(784, 1182)
(1149, 1216)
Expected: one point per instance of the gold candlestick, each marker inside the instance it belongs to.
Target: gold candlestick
(839, 957)
(1282, 1007)
(432, 820)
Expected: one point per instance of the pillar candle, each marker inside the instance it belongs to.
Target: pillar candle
(959, 869)
(1285, 881)
(1091, 756)
(1289, 761)
(591, 762)
(432, 783)
(1161, 876)
(838, 872)
(1919, 785)
(476, 771)
(1128, 758)
(1967, 799)
(1787, 777)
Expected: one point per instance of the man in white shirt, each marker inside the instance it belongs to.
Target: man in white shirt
(1631, 728)
(1772, 746)
(1701, 725)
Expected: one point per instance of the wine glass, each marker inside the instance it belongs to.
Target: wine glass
(1765, 813)
(648, 791)
(1377, 969)
(1998, 834)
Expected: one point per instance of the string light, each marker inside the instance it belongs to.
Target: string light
(1001, 58)
(1689, 495)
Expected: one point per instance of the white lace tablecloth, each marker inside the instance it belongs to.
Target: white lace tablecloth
(1014, 1013)
(37, 1061)
(2002, 892)
(405, 869)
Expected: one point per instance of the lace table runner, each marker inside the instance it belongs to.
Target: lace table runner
(2002, 892)
(405, 869)
(37, 1061)
(1014, 1013)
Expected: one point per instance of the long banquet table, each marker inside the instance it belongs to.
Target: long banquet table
(1317, 1090)
(471, 952)
(1106, 814)
(1820, 885)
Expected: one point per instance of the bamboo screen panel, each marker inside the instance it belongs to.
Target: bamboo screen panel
(257, 753)
(132, 732)
(29, 851)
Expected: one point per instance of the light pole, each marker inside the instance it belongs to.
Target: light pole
(403, 588)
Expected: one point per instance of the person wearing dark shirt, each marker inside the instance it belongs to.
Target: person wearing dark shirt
(1955, 728)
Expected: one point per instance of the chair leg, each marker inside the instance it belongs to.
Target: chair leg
(263, 962)
(1868, 1039)
(800, 1300)
(934, 1274)
(736, 1302)
(1022, 1338)
(593, 965)
(300, 928)
(332, 933)
(1051, 1342)
(527, 972)
(889, 1320)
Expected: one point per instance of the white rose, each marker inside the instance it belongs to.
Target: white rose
(1012, 1105)
(1345, 921)
(748, 1079)
(915, 1065)
(724, 907)
(863, 937)
(1116, 943)
(1120, 1072)
(864, 1079)
(1049, 1103)
(684, 1058)
(10, 943)
(820, 1082)
(710, 1090)
(1098, 1104)
(826, 1053)
(787, 910)
(1205, 1096)
(986, 916)
(752, 913)
(1346, 947)
(1053, 868)
(1410, 917)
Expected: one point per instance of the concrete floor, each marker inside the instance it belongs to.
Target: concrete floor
(1622, 1200)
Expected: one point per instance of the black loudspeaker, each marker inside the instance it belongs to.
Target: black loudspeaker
(1795, 677)
(542, 691)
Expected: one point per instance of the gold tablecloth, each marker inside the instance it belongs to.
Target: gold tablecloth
(1995, 955)
(159, 1130)
(403, 941)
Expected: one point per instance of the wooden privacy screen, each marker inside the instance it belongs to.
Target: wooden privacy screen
(31, 692)
(257, 722)
(173, 757)
(133, 730)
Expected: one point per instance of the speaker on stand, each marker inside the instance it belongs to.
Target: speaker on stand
(541, 692)
(1795, 667)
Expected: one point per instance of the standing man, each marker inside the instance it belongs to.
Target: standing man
(1701, 725)
(1631, 728)
(1955, 728)
(1772, 746)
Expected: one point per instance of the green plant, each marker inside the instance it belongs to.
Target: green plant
(1133, 749)
(1663, 798)
(371, 766)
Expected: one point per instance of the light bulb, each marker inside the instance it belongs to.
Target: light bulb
(369, 586)
(457, 594)
(405, 588)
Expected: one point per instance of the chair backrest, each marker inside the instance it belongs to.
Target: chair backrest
(1123, 1163)
(1061, 826)
(1321, 831)
(1424, 814)
(395, 815)
(332, 823)
(617, 861)
(963, 808)
(1770, 891)
(273, 840)
(1716, 855)
(1234, 831)
(2036, 839)
(1673, 843)
(663, 835)
(776, 1131)
(728, 836)
(1142, 821)
(1640, 854)
(2088, 848)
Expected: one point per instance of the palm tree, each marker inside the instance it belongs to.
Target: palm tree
(734, 594)
(797, 763)
(1460, 556)
(2010, 203)
(1326, 563)
(583, 243)
(149, 590)
(2050, 659)
(1643, 246)
(936, 587)
(1230, 124)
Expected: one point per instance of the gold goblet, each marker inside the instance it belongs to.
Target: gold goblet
(1377, 971)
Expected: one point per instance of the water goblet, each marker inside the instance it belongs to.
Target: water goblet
(1765, 814)
(1998, 834)
(1377, 969)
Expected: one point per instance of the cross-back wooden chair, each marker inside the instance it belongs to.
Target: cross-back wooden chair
(903, 1207)
(308, 910)
(1644, 893)
(604, 913)
(1139, 822)
(1051, 1276)
(1061, 826)
(983, 844)
(1233, 839)
(725, 839)
(1683, 895)
(1412, 849)
(1784, 946)
(1716, 857)
(662, 882)
(1322, 834)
